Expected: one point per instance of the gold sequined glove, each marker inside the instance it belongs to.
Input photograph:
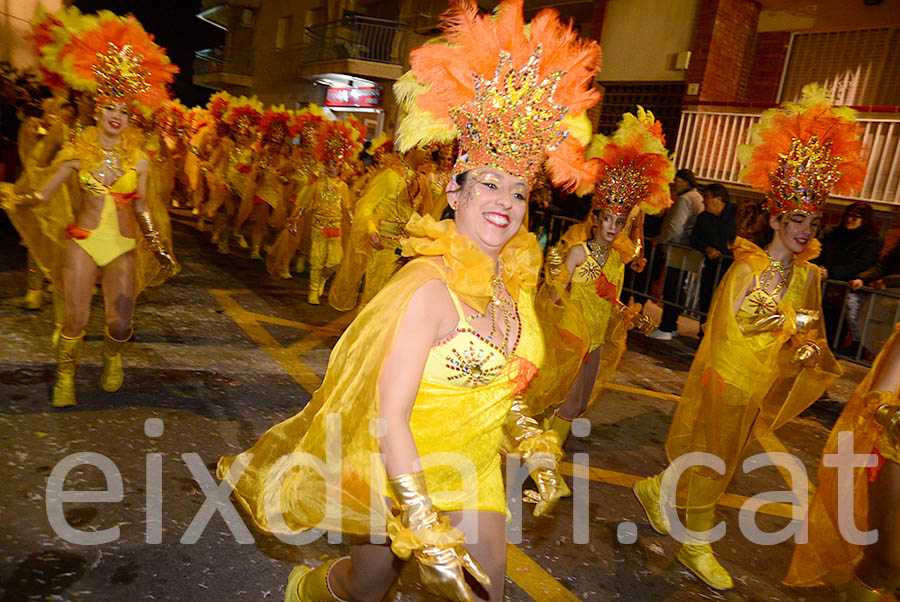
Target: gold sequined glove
(761, 323)
(806, 320)
(555, 271)
(888, 416)
(154, 241)
(807, 354)
(525, 437)
(634, 319)
(421, 531)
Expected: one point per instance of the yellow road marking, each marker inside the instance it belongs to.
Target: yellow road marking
(645, 392)
(287, 357)
(534, 580)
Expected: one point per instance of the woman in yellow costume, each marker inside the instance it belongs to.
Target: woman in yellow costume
(764, 358)
(307, 122)
(328, 202)
(586, 276)
(871, 423)
(263, 195)
(214, 163)
(110, 198)
(198, 132)
(242, 118)
(425, 376)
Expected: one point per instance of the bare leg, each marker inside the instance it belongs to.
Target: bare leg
(880, 566)
(488, 530)
(369, 573)
(79, 276)
(118, 294)
(580, 393)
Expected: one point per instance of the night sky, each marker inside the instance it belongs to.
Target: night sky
(175, 25)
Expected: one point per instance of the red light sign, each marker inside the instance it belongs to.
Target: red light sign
(353, 97)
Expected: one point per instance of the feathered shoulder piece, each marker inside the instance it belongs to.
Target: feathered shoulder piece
(515, 95)
(634, 166)
(337, 141)
(276, 124)
(307, 122)
(243, 114)
(113, 58)
(799, 153)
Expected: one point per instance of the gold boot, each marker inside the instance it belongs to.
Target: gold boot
(315, 283)
(112, 376)
(561, 426)
(311, 585)
(857, 591)
(34, 285)
(647, 493)
(224, 236)
(300, 264)
(698, 555)
(67, 353)
(59, 316)
(218, 225)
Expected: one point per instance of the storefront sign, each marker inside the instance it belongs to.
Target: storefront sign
(353, 97)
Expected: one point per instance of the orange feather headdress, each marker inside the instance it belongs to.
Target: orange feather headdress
(799, 153)
(115, 59)
(307, 122)
(218, 104)
(337, 141)
(635, 167)
(515, 95)
(243, 114)
(276, 124)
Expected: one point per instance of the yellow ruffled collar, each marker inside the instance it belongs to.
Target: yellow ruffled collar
(759, 260)
(469, 270)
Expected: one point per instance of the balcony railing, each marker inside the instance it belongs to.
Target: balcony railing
(215, 60)
(356, 37)
(708, 137)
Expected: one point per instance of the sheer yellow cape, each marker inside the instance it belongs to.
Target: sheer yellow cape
(43, 227)
(567, 331)
(284, 499)
(741, 387)
(827, 558)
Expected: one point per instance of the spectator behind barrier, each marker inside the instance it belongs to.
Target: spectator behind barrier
(713, 235)
(880, 312)
(847, 251)
(676, 228)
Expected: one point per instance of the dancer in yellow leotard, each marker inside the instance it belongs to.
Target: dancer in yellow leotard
(764, 358)
(114, 59)
(437, 357)
(634, 178)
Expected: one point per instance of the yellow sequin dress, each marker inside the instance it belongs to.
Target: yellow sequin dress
(740, 386)
(458, 414)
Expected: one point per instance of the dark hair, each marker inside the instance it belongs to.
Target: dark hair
(717, 190)
(865, 211)
(687, 175)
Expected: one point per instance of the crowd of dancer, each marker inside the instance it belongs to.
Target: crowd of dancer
(469, 342)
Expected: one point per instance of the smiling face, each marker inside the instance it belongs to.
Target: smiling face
(112, 118)
(490, 207)
(608, 225)
(794, 231)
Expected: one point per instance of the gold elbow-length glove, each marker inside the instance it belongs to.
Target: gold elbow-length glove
(540, 448)
(154, 241)
(421, 531)
(888, 416)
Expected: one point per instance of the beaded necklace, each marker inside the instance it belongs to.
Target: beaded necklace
(508, 310)
(784, 271)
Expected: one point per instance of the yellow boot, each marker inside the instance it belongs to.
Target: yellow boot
(698, 555)
(112, 376)
(311, 585)
(67, 353)
(647, 493)
(218, 226)
(255, 244)
(34, 285)
(315, 284)
(59, 316)
(561, 426)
